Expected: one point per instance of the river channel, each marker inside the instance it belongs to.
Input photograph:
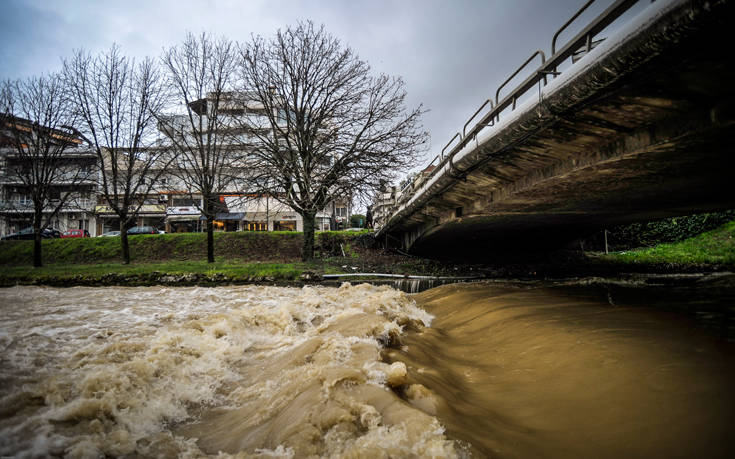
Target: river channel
(463, 370)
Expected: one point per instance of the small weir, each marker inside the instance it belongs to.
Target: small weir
(404, 283)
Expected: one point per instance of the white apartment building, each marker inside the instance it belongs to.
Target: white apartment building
(389, 198)
(240, 209)
(383, 206)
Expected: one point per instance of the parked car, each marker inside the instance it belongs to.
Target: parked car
(75, 233)
(27, 234)
(110, 233)
(142, 230)
(49, 233)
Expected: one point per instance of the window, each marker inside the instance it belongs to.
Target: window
(284, 225)
(255, 226)
(341, 212)
(183, 202)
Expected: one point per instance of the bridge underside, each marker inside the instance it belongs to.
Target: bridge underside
(646, 133)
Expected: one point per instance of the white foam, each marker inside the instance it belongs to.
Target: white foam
(115, 368)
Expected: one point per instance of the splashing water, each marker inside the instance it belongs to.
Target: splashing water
(247, 371)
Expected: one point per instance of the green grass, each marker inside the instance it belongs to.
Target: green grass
(242, 246)
(234, 270)
(240, 256)
(716, 247)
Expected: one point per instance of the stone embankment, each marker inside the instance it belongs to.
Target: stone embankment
(154, 278)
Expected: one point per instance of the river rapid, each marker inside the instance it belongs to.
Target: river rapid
(465, 370)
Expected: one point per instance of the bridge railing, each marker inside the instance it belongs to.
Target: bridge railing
(582, 40)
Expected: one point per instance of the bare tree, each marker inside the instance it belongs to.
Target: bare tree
(208, 156)
(117, 101)
(335, 131)
(43, 158)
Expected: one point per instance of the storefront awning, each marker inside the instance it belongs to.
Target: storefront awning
(227, 216)
(146, 210)
(182, 218)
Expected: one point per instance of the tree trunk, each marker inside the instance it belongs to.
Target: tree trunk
(307, 252)
(37, 259)
(124, 240)
(210, 239)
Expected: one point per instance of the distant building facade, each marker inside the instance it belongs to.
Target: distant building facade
(389, 198)
(77, 183)
(239, 209)
(169, 205)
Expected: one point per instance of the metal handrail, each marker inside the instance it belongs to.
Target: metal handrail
(566, 24)
(450, 142)
(489, 119)
(464, 128)
(535, 53)
(547, 67)
(598, 24)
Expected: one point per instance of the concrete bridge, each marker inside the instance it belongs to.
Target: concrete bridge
(639, 128)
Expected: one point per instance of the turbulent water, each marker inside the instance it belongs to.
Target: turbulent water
(255, 371)
(357, 371)
(533, 371)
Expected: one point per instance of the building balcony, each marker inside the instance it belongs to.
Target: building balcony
(26, 206)
(9, 179)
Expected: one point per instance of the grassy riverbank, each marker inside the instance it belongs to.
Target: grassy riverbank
(714, 248)
(229, 268)
(172, 272)
(179, 259)
(242, 246)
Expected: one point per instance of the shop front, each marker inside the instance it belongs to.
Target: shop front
(12, 223)
(152, 215)
(229, 221)
(254, 226)
(285, 225)
(224, 221)
(183, 219)
(107, 223)
(264, 213)
(148, 215)
(107, 220)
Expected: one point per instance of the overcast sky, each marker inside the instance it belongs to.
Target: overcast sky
(451, 54)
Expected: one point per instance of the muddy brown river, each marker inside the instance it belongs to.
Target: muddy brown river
(463, 370)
